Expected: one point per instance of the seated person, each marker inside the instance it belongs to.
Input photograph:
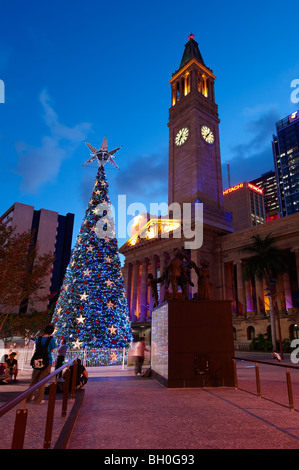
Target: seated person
(12, 366)
(4, 375)
(82, 375)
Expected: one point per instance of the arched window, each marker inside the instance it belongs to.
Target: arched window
(250, 333)
(177, 91)
(187, 85)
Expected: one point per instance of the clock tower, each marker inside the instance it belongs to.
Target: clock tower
(194, 150)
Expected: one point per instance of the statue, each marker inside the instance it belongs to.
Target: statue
(203, 285)
(203, 282)
(154, 291)
(178, 275)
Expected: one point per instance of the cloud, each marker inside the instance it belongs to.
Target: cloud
(250, 160)
(258, 109)
(145, 179)
(141, 179)
(40, 165)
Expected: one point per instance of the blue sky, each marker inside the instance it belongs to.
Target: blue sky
(76, 71)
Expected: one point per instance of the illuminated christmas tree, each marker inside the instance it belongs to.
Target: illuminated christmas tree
(92, 310)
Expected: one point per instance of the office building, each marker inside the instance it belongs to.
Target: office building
(53, 233)
(285, 146)
(267, 182)
(246, 203)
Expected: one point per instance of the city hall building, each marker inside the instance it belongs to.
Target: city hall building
(195, 177)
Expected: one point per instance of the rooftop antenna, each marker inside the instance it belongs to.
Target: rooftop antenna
(228, 174)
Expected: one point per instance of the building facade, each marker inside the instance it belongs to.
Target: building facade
(267, 182)
(195, 177)
(246, 203)
(53, 233)
(285, 147)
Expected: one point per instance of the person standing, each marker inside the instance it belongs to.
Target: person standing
(61, 352)
(140, 348)
(39, 374)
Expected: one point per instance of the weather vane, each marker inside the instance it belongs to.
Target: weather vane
(102, 155)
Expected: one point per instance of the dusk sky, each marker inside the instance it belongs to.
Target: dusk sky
(76, 71)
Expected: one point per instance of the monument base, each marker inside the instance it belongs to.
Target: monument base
(192, 344)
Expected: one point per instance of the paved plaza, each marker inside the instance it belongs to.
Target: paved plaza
(122, 411)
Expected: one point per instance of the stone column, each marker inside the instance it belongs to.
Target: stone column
(240, 289)
(153, 261)
(143, 293)
(287, 290)
(259, 296)
(248, 296)
(212, 91)
(134, 291)
(200, 83)
(193, 80)
(280, 299)
(127, 275)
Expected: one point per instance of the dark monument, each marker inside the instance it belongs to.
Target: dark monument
(192, 340)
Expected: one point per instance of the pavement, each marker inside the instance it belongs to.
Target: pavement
(122, 412)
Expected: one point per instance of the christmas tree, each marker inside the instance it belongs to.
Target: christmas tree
(91, 311)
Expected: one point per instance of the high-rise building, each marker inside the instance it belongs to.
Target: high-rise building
(246, 203)
(285, 146)
(53, 233)
(267, 182)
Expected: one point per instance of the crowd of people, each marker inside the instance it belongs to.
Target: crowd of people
(43, 344)
(9, 368)
(9, 364)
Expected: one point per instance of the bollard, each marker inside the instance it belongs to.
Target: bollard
(50, 416)
(19, 429)
(258, 383)
(65, 392)
(235, 374)
(290, 392)
(74, 380)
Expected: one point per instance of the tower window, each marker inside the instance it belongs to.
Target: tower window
(177, 92)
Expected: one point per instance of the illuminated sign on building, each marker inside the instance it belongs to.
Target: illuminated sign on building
(293, 116)
(255, 188)
(242, 185)
(234, 188)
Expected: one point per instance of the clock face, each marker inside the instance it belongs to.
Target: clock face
(182, 136)
(207, 134)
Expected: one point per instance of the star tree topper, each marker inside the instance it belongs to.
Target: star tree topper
(102, 155)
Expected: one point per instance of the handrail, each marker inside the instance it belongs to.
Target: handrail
(257, 374)
(267, 363)
(8, 406)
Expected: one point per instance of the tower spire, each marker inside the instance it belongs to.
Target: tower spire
(191, 52)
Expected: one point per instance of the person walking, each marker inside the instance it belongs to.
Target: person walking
(39, 374)
(140, 348)
(61, 352)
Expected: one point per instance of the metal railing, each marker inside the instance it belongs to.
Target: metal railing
(22, 413)
(258, 380)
